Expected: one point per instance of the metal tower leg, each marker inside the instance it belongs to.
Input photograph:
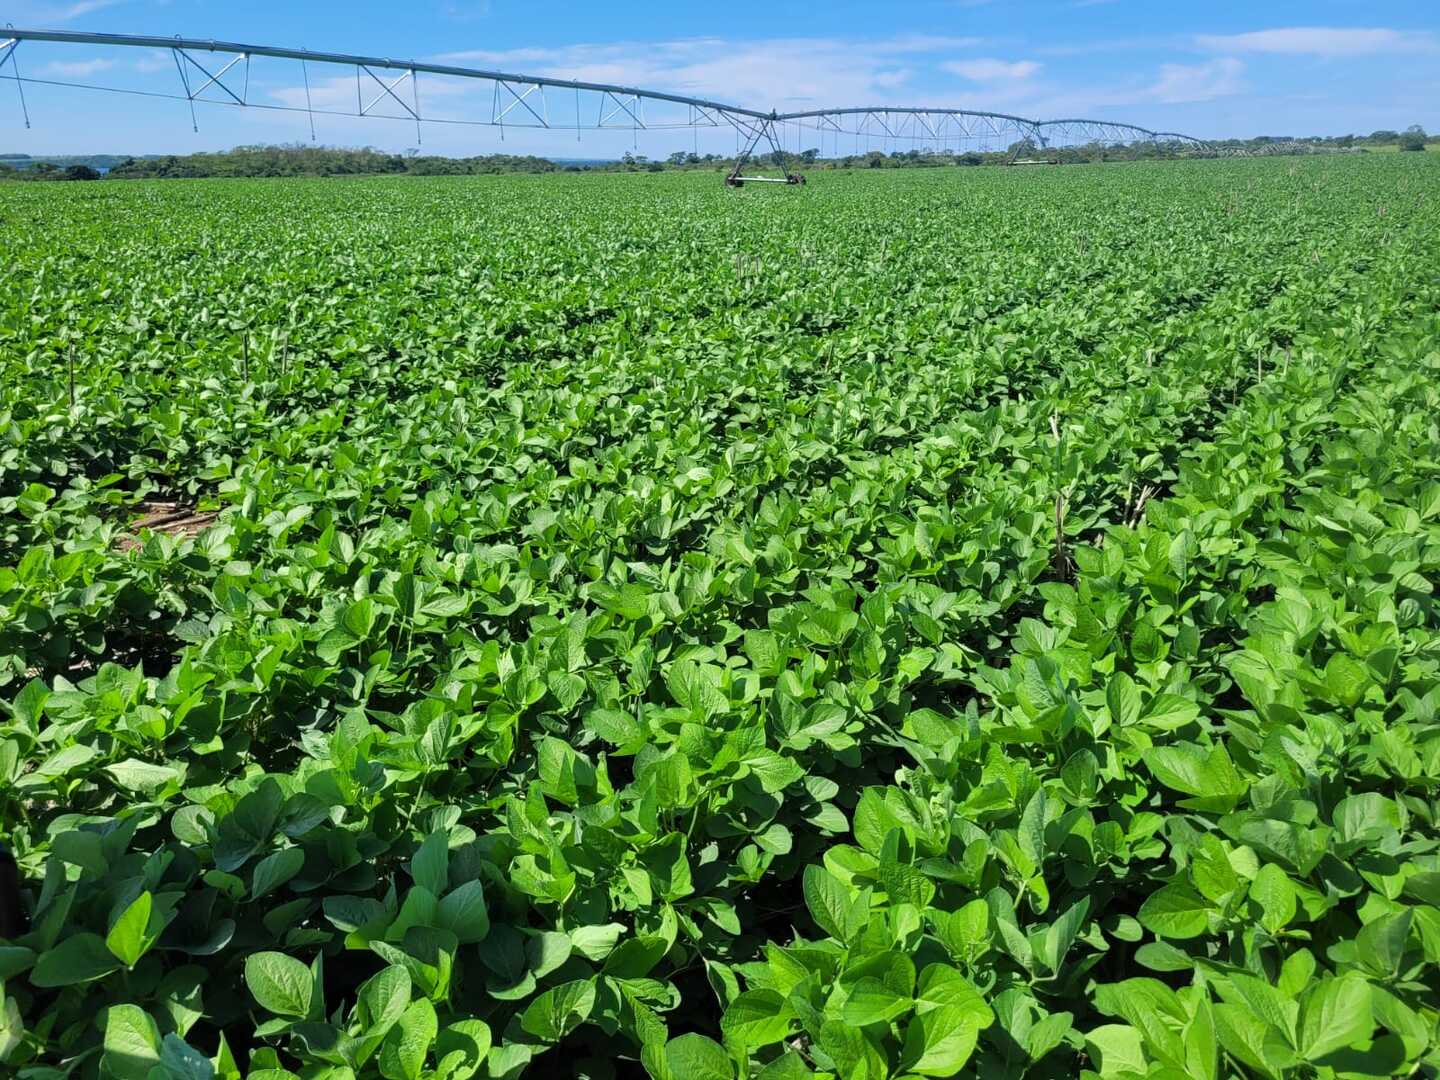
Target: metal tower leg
(764, 129)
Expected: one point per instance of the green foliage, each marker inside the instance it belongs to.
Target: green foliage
(794, 644)
(303, 160)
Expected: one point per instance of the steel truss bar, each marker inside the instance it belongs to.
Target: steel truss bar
(896, 109)
(518, 100)
(215, 79)
(619, 107)
(1135, 134)
(623, 102)
(388, 90)
(77, 37)
(10, 48)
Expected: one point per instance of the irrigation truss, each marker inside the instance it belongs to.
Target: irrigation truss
(219, 73)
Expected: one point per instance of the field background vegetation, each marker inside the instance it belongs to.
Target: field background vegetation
(928, 623)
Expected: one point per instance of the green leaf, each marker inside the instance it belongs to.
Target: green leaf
(130, 937)
(546, 952)
(757, 1018)
(78, 959)
(1335, 1014)
(694, 1057)
(1210, 775)
(1123, 699)
(1169, 712)
(280, 983)
(181, 1061)
(872, 1002)
(383, 999)
(669, 867)
(786, 1067)
(431, 865)
(1176, 911)
(359, 618)
(559, 1011)
(637, 957)
(1115, 1050)
(596, 942)
(697, 687)
(940, 1041)
(142, 776)
(1275, 894)
(832, 906)
(132, 1043)
(463, 913)
(275, 870)
(944, 986)
(1381, 943)
(402, 1057)
(471, 1040)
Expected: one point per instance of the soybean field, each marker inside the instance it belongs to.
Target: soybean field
(952, 622)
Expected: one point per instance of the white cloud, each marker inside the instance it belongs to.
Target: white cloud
(43, 14)
(1328, 41)
(991, 70)
(154, 60)
(774, 72)
(1182, 83)
(76, 69)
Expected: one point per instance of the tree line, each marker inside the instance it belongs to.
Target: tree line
(304, 160)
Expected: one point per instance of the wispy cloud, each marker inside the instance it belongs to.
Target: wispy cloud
(1327, 41)
(776, 71)
(991, 70)
(154, 60)
(1180, 84)
(76, 69)
(47, 14)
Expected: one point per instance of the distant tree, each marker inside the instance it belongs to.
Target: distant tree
(809, 157)
(82, 172)
(679, 157)
(1413, 138)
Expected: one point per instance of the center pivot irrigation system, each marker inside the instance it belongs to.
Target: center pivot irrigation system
(219, 73)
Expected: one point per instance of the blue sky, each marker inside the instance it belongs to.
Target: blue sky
(1214, 69)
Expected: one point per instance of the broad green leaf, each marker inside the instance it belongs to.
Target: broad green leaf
(464, 914)
(1175, 911)
(757, 1018)
(872, 1002)
(694, 1057)
(132, 1043)
(275, 870)
(1334, 1014)
(130, 938)
(403, 1054)
(559, 1011)
(430, 868)
(834, 908)
(1115, 1050)
(78, 959)
(279, 983)
(940, 1041)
